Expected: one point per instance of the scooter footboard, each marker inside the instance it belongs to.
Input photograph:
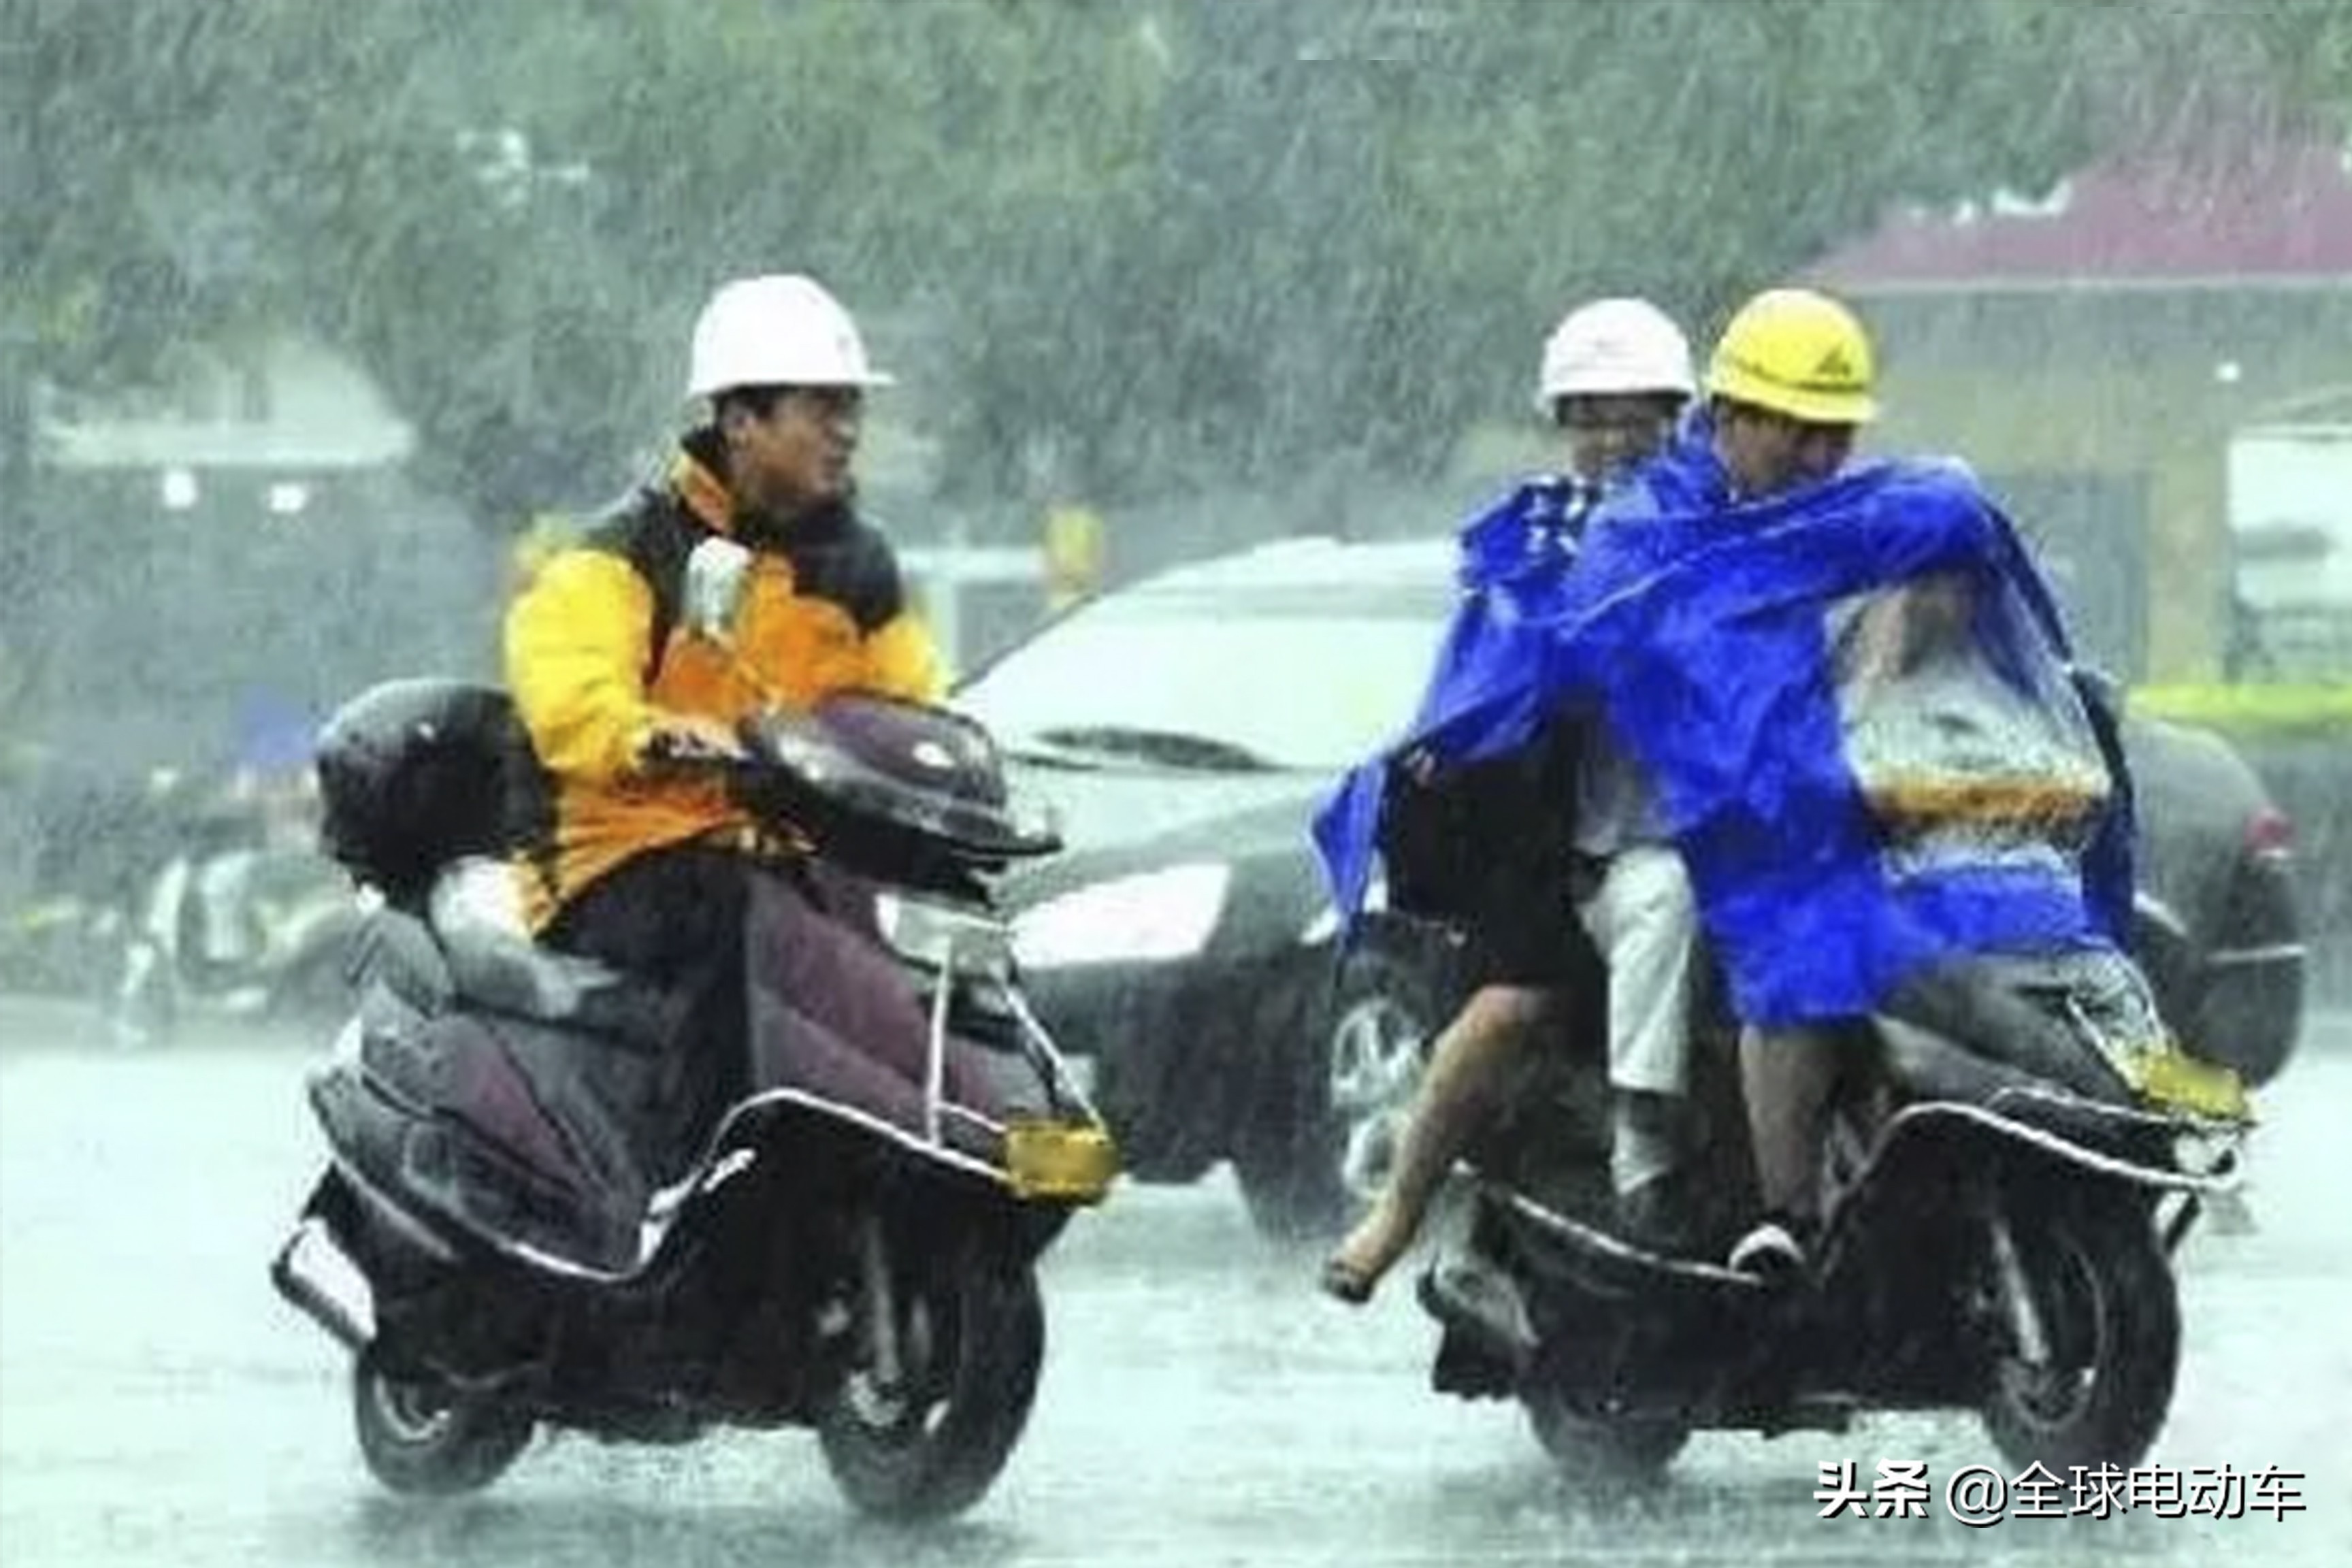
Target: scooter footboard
(1559, 1252)
(1623, 1330)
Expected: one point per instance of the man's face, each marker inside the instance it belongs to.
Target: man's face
(1768, 453)
(797, 457)
(1606, 433)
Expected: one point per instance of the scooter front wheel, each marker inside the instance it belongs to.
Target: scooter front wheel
(928, 1442)
(2091, 1383)
(1614, 1451)
(425, 1438)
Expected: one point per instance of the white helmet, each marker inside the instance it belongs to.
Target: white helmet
(1613, 346)
(782, 330)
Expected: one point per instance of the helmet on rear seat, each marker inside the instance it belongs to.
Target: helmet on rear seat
(413, 774)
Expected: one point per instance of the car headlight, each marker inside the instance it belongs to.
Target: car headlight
(1154, 915)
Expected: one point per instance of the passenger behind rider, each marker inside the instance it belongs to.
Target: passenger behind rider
(1615, 375)
(643, 863)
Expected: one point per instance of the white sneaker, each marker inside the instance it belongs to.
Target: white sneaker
(1771, 1251)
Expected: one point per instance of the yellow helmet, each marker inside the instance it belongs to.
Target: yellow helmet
(1800, 354)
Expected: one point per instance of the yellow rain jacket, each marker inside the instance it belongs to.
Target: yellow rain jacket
(825, 612)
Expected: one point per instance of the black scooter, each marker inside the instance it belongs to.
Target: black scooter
(2010, 1166)
(854, 1248)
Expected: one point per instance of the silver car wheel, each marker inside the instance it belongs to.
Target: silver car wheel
(1375, 1065)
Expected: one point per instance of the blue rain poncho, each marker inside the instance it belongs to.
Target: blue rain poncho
(1854, 700)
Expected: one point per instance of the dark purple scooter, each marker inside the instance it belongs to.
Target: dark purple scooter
(853, 1246)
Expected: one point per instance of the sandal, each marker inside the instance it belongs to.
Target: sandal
(1364, 1256)
(1342, 1281)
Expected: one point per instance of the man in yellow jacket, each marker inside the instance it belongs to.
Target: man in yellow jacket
(646, 866)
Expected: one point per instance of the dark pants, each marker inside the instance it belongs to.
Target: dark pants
(673, 918)
(837, 1016)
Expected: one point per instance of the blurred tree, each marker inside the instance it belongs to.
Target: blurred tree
(1341, 227)
(2311, 42)
(1176, 242)
(187, 174)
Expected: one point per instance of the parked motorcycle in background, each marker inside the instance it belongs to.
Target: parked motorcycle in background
(84, 844)
(244, 919)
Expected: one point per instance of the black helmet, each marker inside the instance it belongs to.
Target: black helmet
(415, 773)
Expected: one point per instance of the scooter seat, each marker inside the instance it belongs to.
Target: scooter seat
(477, 921)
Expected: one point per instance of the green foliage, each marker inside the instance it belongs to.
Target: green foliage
(2313, 709)
(2311, 42)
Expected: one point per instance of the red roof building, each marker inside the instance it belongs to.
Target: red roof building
(2095, 351)
(2275, 216)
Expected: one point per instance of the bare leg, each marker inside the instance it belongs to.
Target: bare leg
(1786, 1076)
(1468, 1076)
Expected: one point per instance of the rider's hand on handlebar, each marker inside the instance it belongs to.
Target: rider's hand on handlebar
(687, 738)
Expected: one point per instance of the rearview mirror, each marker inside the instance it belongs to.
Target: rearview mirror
(2102, 688)
(717, 576)
(1038, 816)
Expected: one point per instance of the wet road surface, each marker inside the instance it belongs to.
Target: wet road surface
(1201, 1405)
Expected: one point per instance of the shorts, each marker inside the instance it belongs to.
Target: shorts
(1526, 933)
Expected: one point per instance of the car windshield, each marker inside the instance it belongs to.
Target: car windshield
(1242, 681)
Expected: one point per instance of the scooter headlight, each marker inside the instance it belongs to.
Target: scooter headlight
(2206, 1153)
